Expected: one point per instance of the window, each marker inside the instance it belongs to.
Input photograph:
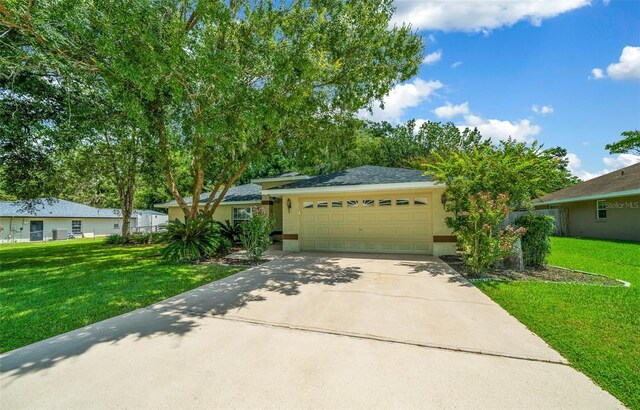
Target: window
(352, 203)
(402, 201)
(601, 210)
(336, 204)
(368, 202)
(420, 201)
(240, 215)
(322, 204)
(307, 204)
(116, 225)
(76, 227)
(384, 202)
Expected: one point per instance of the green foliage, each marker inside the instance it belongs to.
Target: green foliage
(142, 238)
(230, 231)
(192, 240)
(256, 233)
(520, 171)
(224, 247)
(55, 287)
(630, 144)
(114, 239)
(594, 327)
(536, 245)
(221, 85)
(480, 241)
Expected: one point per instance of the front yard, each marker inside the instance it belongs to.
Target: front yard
(51, 288)
(596, 328)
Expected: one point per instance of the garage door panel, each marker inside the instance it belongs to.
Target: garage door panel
(401, 229)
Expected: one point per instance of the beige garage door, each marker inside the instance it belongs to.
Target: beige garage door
(367, 223)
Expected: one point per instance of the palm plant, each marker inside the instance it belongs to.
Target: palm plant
(230, 231)
(191, 240)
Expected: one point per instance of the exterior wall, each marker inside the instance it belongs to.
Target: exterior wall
(443, 242)
(623, 219)
(90, 226)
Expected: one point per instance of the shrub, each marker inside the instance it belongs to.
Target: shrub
(192, 240)
(114, 239)
(143, 238)
(224, 247)
(480, 241)
(230, 231)
(256, 233)
(536, 245)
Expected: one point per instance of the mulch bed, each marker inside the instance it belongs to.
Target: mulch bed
(546, 274)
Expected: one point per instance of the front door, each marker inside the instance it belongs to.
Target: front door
(36, 230)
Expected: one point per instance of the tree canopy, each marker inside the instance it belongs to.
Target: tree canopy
(222, 85)
(630, 144)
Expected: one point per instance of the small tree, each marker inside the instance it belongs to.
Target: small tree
(536, 245)
(255, 237)
(480, 241)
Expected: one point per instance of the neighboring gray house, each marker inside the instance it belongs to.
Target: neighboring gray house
(19, 223)
(606, 207)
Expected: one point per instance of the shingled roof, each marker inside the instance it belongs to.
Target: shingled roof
(364, 175)
(240, 193)
(55, 208)
(625, 181)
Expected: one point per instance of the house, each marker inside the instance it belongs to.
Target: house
(365, 209)
(21, 224)
(147, 220)
(604, 207)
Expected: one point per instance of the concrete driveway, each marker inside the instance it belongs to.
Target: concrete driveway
(306, 330)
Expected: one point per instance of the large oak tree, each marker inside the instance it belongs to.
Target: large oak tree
(223, 84)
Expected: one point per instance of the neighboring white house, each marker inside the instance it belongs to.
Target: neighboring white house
(148, 220)
(57, 219)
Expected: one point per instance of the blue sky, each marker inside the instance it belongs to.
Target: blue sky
(564, 72)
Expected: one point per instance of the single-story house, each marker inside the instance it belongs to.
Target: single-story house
(605, 207)
(365, 209)
(21, 224)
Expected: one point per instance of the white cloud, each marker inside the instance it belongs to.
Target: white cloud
(621, 161)
(610, 164)
(432, 58)
(401, 97)
(456, 64)
(522, 130)
(596, 74)
(544, 110)
(479, 15)
(627, 67)
(450, 111)
(432, 38)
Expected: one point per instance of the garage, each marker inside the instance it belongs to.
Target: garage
(362, 222)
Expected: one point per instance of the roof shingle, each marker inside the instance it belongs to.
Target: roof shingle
(625, 179)
(364, 175)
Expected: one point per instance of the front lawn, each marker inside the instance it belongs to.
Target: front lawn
(596, 328)
(51, 288)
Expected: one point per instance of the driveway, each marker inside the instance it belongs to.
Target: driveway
(306, 330)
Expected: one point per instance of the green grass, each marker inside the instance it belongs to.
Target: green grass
(596, 328)
(51, 288)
